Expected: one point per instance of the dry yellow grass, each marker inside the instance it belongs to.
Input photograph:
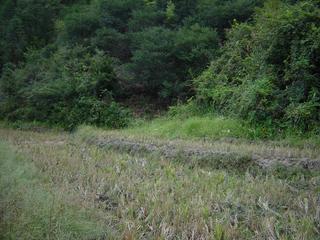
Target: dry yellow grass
(266, 153)
(150, 197)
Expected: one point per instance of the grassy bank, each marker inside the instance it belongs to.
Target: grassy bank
(190, 126)
(147, 196)
(214, 128)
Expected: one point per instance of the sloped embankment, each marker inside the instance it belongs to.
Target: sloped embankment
(218, 154)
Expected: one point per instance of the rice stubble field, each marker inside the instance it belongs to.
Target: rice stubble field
(56, 185)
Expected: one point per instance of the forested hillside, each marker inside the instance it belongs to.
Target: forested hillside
(160, 119)
(78, 61)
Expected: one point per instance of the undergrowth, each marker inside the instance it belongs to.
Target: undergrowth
(212, 127)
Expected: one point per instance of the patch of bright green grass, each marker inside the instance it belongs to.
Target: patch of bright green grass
(193, 127)
(211, 127)
(31, 209)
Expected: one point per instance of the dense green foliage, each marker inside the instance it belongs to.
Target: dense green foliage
(85, 57)
(269, 69)
(65, 86)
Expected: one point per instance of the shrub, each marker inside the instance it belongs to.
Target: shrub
(269, 70)
(71, 87)
(90, 111)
